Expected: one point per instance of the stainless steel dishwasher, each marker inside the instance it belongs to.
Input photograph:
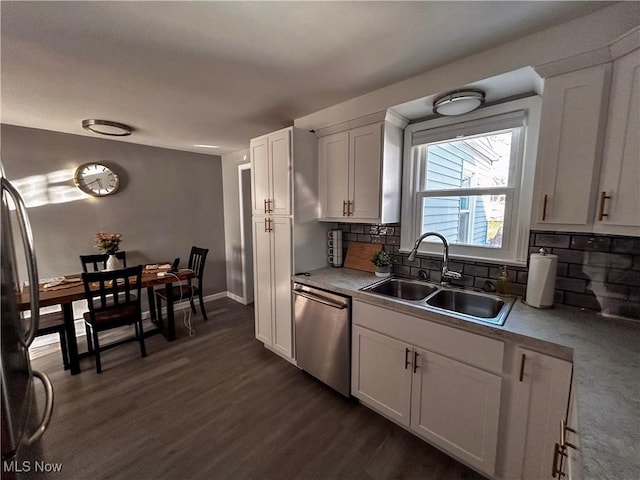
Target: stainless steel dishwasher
(323, 335)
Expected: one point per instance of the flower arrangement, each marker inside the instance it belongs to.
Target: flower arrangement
(108, 242)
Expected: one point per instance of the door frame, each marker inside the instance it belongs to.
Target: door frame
(241, 192)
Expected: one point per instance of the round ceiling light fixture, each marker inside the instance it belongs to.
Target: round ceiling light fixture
(106, 127)
(458, 102)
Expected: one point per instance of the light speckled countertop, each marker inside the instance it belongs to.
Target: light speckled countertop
(605, 352)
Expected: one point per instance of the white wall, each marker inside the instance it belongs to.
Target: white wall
(584, 34)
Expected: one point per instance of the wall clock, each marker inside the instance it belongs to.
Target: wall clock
(96, 179)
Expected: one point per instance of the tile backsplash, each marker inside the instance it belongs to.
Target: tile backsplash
(598, 272)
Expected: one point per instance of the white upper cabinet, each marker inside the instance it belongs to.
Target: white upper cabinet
(570, 148)
(271, 173)
(588, 168)
(359, 170)
(618, 209)
(365, 168)
(333, 152)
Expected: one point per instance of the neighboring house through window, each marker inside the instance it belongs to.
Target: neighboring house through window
(470, 179)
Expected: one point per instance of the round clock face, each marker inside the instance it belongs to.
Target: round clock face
(96, 179)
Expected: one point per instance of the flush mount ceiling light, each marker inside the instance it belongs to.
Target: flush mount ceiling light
(458, 102)
(106, 127)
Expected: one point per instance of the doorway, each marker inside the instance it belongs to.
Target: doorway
(246, 232)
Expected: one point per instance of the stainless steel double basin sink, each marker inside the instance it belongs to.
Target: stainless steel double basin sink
(456, 302)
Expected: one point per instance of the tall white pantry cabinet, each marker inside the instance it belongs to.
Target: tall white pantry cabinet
(287, 238)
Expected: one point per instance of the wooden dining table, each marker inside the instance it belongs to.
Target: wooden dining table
(70, 289)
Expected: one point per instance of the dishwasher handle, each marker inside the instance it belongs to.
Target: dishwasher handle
(319, 299)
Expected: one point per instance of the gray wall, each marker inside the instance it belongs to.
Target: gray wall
(168, 200)
(234, 252)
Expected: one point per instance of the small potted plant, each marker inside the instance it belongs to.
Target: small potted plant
(382, 261)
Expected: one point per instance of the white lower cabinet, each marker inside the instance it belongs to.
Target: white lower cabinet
(573, 450)
(381, 374)
(272, 290)
(450, 403)
(494, 405)
(456, 407)
(539, 398)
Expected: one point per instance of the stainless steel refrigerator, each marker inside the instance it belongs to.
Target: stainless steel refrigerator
(23, 423)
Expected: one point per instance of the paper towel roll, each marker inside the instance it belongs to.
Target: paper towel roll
(542, 280)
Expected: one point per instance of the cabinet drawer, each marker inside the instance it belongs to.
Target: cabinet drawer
(470, 348)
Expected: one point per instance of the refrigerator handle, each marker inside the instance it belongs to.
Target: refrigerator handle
(30, 254)
(48, 408)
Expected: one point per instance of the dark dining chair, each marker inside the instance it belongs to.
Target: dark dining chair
(53, 322)
(113, 298)
(194, 286)
(98, 261)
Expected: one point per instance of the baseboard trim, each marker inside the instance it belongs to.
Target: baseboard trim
(236, 298)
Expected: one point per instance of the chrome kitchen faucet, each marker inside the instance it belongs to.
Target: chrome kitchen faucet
(446, 273)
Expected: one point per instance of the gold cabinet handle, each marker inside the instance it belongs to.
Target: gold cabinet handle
(558, 453)
(266, 206)
(564, 428)
(544, 207)
(415, 361)
(522, 361)
(266, 224)
(601, 214)
(406, 357)
(344, 208)
(349, 208)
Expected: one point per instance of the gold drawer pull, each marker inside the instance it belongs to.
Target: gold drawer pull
(558, 453)
(564, 428)
(601, 214)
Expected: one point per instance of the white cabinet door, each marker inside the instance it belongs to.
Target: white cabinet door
(570, 148)
(262, 280)
(280, 172)
(457, 407)
(541, 400)
(259, 174)
(333, 174)
(272, 283)
(381, 374)
(281, 286)
(365, 144)
(271, 173)
(619, 196)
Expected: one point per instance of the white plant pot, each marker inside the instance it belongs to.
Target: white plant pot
(383, 271)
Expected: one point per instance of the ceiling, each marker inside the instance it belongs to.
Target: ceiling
(220, 73)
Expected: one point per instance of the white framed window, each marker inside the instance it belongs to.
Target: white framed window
(470, 178)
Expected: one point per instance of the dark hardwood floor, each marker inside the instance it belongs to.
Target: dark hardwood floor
(219, 405)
